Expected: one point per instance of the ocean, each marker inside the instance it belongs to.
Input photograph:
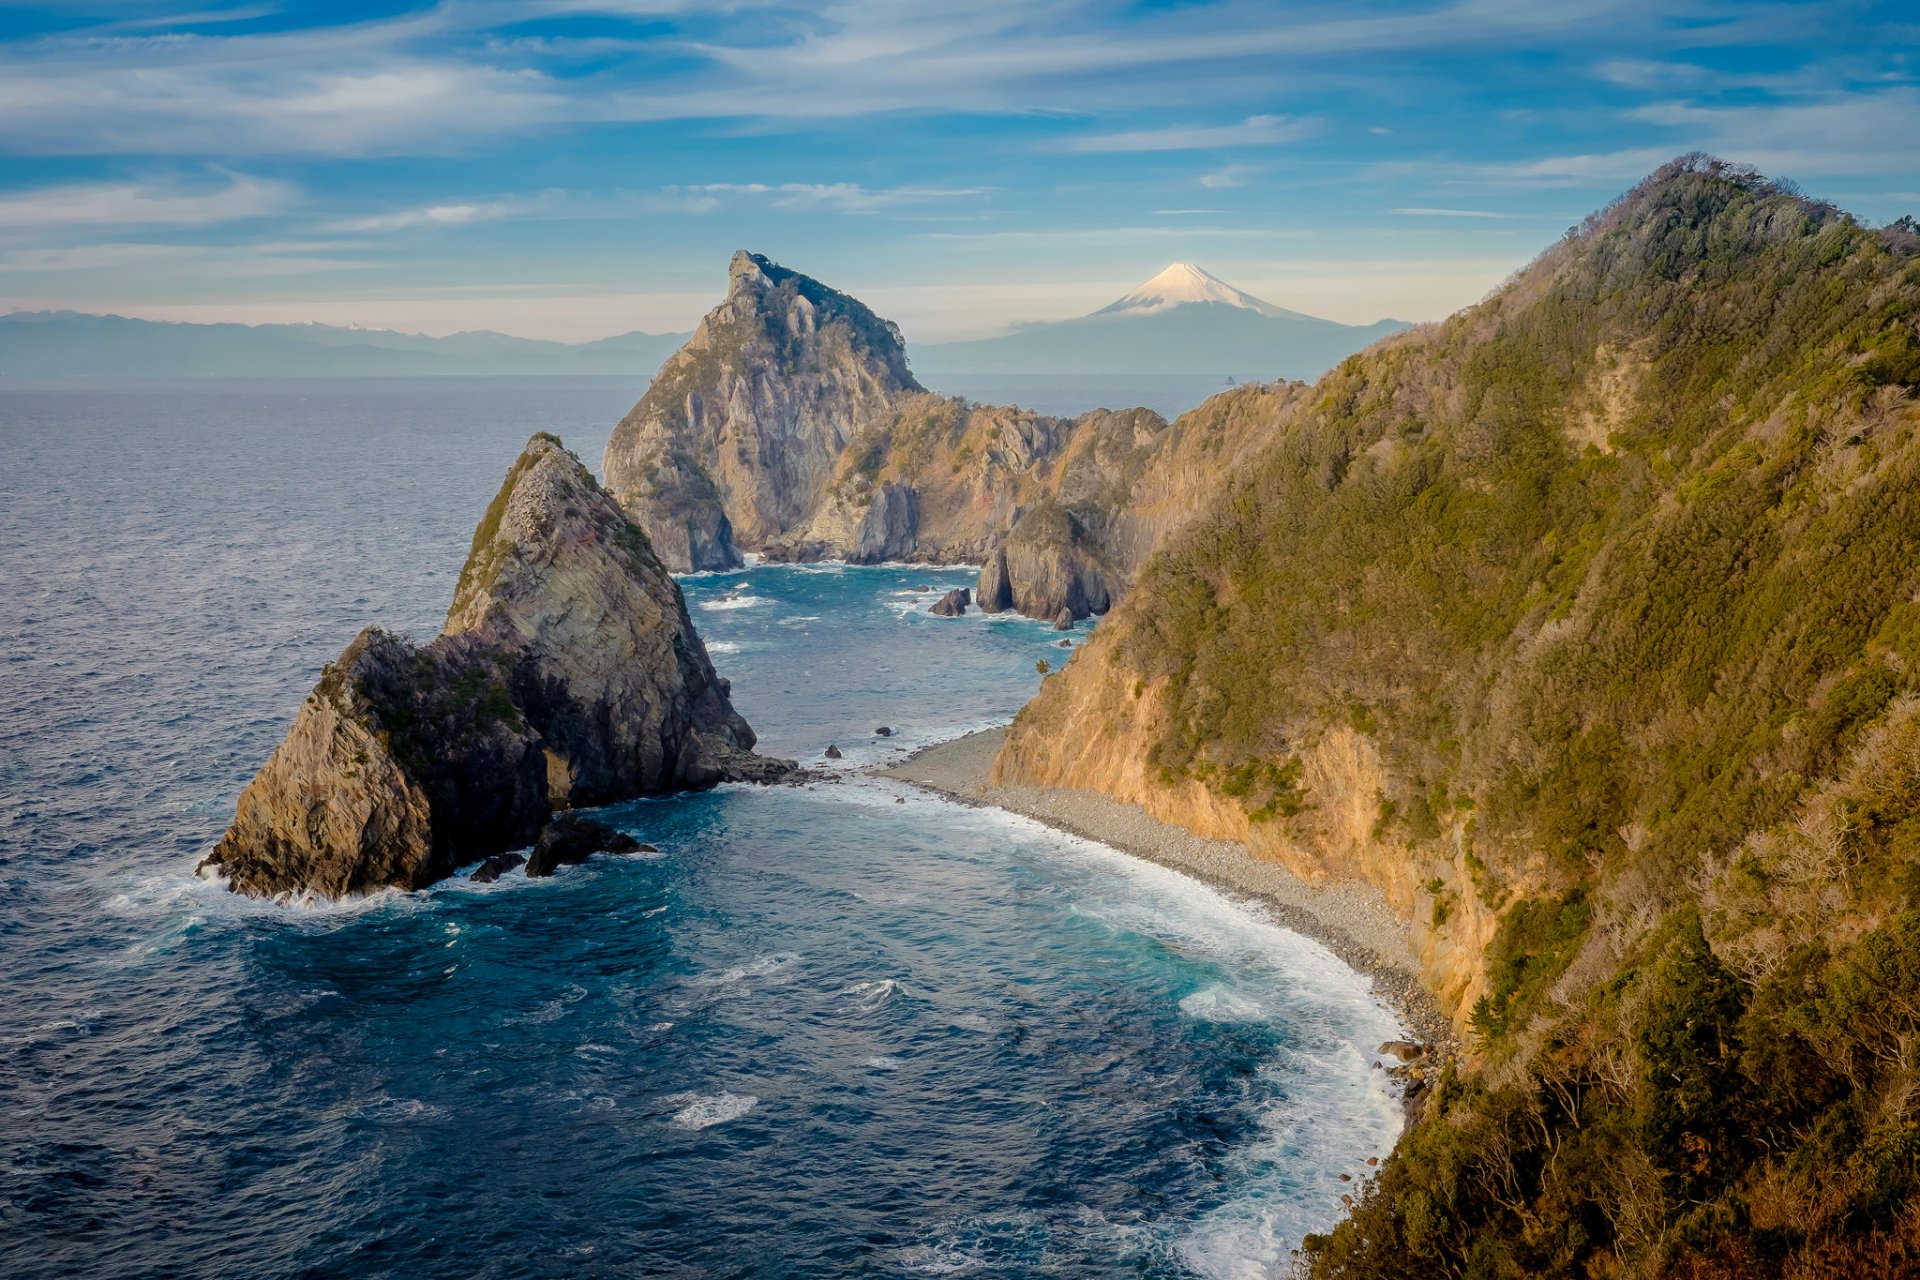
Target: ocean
(847, 1029)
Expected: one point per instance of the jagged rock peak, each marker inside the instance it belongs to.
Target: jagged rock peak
(738, 436)
(568, 674)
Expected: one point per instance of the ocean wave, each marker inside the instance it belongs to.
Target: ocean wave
(733, 602)
(868, 996)
(1219, 1004)
(759, 967)
(703, 1111)
(723, 646)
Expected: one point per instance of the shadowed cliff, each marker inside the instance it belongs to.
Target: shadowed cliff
(568, 674)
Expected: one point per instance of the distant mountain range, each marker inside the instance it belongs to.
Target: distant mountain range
(57, 344)
(1184, 320)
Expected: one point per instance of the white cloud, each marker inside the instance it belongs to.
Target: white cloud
(143, 204)
(1234, 175)
(1254, 131)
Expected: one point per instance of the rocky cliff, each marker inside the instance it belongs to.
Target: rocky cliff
(790, 426)
(1583, 624)
(568, 674)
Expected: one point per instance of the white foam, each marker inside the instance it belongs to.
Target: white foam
(703, 1111)
(1216, 1003)
(759, 967)
(883, 1063)
(867, 996)
(723, 646)
(733, 602)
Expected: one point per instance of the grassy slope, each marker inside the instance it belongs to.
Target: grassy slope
(1615, 577)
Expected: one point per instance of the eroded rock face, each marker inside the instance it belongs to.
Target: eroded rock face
(951, 605)
(790, 426)
(739, 433)
(1047, 568)
(568, 674)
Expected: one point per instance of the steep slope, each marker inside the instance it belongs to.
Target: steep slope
(1182, 321)
(1584, 625)
(789, 426)
(568, 674)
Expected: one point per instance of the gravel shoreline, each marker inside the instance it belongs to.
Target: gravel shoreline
(1350, 919)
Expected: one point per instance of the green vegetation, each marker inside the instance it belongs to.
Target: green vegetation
(1617, 574)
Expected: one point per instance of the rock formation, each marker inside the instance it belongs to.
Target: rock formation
(739, 433)
(952, 604)
(790, 426)
(568, 674)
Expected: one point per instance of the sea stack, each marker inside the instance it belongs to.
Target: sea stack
(568, 674)
(740, 431)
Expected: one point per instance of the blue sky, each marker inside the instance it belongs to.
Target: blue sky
(573, 168)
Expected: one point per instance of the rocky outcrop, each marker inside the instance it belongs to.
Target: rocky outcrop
(1046, 568)
(951, 605)
(571, 839)
(790, 426)
(739, 433)
(568, 674)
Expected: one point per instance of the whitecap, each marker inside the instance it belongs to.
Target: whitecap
(723, 646)
(758, 967)
(867, 996)
(703, 1111)
(733, 602)
(1219, 1004)
(881, 1062)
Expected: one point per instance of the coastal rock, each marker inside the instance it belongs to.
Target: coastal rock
(790, 426)
(832, 752)
(739, 433)
(570, 839)
(952, 604)
(568, 674)
(883, 731)
(1046, 568)
(888, 529)
(495, 867)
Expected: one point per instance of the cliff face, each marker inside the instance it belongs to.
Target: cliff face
(739, 433)
(790, 426)
(568, 674)
(1583, 624)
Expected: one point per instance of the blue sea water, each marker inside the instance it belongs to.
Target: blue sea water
(840, 1030)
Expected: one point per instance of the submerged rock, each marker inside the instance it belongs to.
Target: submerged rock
(571, 838)
(952, 604)
(568, 674)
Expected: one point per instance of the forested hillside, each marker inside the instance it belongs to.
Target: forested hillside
(1587, 625)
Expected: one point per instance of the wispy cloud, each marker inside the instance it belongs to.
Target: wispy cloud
(1234, 175)
(1254, 131)
(843, 197)
(143, 204)
(1452, 213)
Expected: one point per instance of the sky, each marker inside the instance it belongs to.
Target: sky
(572, 169)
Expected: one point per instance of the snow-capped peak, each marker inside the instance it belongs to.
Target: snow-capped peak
(1183, 284)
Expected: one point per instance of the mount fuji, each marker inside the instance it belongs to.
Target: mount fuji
(1183, 321)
